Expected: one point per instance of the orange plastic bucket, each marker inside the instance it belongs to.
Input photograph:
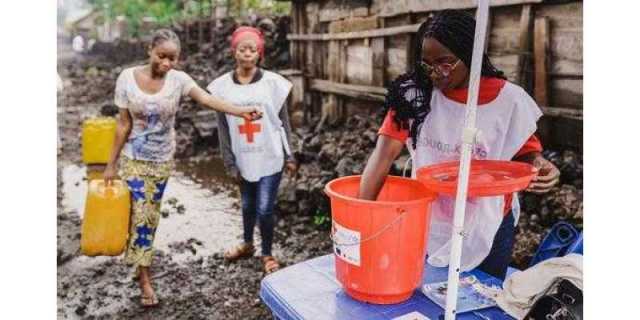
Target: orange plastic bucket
(380, 246)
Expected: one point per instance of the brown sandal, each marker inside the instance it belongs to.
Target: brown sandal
(270, 264)
(244, 250)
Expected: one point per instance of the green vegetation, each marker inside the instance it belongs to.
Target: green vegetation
(242, 7)
(165, 12)
(321, 219)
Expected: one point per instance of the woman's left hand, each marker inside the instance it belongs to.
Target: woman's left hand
(548, 176)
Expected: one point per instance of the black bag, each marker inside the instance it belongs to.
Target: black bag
(561, 301)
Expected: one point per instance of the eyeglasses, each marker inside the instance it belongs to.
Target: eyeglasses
(443, 69)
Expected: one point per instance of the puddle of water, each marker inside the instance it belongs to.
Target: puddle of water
(209, 217)
(206, 194)
(74, 188)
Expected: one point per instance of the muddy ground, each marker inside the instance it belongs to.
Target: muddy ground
(200, 219)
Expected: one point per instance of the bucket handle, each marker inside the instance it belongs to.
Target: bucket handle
(376, 234)
(406, 165)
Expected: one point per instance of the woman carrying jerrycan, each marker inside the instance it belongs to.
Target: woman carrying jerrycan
(426, 110)
(148, 97)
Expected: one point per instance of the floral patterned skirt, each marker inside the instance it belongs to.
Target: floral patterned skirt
(146, 181)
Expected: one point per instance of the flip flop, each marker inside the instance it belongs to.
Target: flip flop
(149, 302)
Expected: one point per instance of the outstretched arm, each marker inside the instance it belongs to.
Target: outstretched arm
(202, 97)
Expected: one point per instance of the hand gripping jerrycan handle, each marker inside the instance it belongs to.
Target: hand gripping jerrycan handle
(401, 214)
(109, 190)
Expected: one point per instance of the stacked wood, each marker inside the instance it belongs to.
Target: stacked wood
(349, 50)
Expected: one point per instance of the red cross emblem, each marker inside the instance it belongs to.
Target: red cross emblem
(249, 129)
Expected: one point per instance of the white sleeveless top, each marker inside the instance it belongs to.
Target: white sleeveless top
(504, 125)
(258, 146)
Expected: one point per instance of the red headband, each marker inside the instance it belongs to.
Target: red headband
(243, 33)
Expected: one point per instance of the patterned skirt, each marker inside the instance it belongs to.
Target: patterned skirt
(146, 181)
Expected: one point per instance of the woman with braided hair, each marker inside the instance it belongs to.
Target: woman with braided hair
(425, 109)
(148, 97)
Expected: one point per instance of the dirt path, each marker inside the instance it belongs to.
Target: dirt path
(193, 281)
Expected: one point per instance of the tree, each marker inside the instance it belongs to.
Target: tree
(240, 7)
(165, 12)
(162, 12)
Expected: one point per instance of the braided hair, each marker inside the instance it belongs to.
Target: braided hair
(162, 35)
(409, 95)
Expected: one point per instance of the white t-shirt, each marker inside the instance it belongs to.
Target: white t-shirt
(256, 145)
(504, 125)
(152, 136)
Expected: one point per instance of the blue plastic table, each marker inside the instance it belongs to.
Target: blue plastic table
(310, 290)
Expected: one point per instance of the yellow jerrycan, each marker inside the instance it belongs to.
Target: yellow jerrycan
(105, 226)
(97, 139)
(95, 171)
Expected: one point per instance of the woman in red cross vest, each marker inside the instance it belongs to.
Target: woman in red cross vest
(425, 112)
(255, 152)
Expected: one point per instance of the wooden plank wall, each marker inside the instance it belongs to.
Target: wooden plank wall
(349, 50)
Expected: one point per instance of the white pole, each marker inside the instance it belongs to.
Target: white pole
(468, 140)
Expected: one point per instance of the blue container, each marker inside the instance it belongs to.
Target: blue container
(562, 239)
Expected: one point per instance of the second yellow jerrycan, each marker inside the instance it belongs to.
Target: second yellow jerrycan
(97, 139)
(105, 226)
